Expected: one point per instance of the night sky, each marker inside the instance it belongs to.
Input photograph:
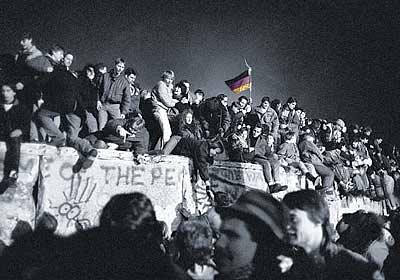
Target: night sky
(339, 58)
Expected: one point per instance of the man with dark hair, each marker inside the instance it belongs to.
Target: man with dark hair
(252, 238)
(30, 65)
(318, 257)
(214, 115)
(114, 94)
(14, 128)
(266, 116)
(201, 152)
(134, 90)
(198, 99)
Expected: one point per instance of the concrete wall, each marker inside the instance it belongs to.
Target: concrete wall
(165, 180)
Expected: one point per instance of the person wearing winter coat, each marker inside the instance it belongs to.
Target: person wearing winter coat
(310, 153)
(114, 94)
(14, 128)
(214, 116)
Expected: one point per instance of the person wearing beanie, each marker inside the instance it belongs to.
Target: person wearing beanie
(252, 238)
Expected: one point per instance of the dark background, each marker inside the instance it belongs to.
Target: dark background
(339, 58)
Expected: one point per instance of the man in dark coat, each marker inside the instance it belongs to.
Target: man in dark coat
(317, 257)
(201, 152)
(14, 128)
(214, 115)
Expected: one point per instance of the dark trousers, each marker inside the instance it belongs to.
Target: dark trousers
(326, 174)
(46, 120)
(13, 154)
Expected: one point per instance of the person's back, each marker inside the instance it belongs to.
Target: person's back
(113, 254)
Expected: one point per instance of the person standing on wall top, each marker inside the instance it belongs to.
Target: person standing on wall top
(114, 93)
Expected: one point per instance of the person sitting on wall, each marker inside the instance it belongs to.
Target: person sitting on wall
(126, 133)
(14, 128)
(202, 153)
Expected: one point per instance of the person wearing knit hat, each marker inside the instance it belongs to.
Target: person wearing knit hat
(253, 231)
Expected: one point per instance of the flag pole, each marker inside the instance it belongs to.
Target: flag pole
(251, 80)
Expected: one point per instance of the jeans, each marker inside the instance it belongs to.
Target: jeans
(46, 121)
(327, 175)
(162, 117)
(81, 145)
(171, 144)
(112, 110)
(270, 169)
(91, 120)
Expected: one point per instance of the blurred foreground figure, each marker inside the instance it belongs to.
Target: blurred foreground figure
(251, 241)
(317, 256)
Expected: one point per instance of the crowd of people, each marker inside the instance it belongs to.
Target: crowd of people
(44, 100)
(256, 237)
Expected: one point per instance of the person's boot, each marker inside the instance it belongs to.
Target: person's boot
(84, 162)
(9, 181)
(277, 188)
(310, 177)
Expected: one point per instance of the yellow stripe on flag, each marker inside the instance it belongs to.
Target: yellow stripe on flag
(242, 88)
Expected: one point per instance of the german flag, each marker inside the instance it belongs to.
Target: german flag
(240, 83)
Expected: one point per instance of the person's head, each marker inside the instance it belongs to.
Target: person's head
(291, 103)
(359, 229)
(356, 142)
(56, 52)
(130, 212)
(354, 128)
(130, 75)
(89, 71)
(265, 102)
(309, 137)
(299, 111)
(216, 147)
(134, 124)
(187, 86)
(290, 137)
(68, 59)
(22, 228)
(276, 104)
(257, 130)
(243, 101)
(367, 130)
(187, 116)
(235, 107)
(26, 41)
(340, 124)
(252, 233)
(8, 92)
(309, 219)
(223, 99)
(270, 140)
(243, 132)
(194, 240)
(119, 65)
(100, 68)
(364, 138)
(168, 77)
(180, 91)
(198, 96)
(47, 222)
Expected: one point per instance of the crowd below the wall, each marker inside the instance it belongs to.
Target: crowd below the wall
(44, 100)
